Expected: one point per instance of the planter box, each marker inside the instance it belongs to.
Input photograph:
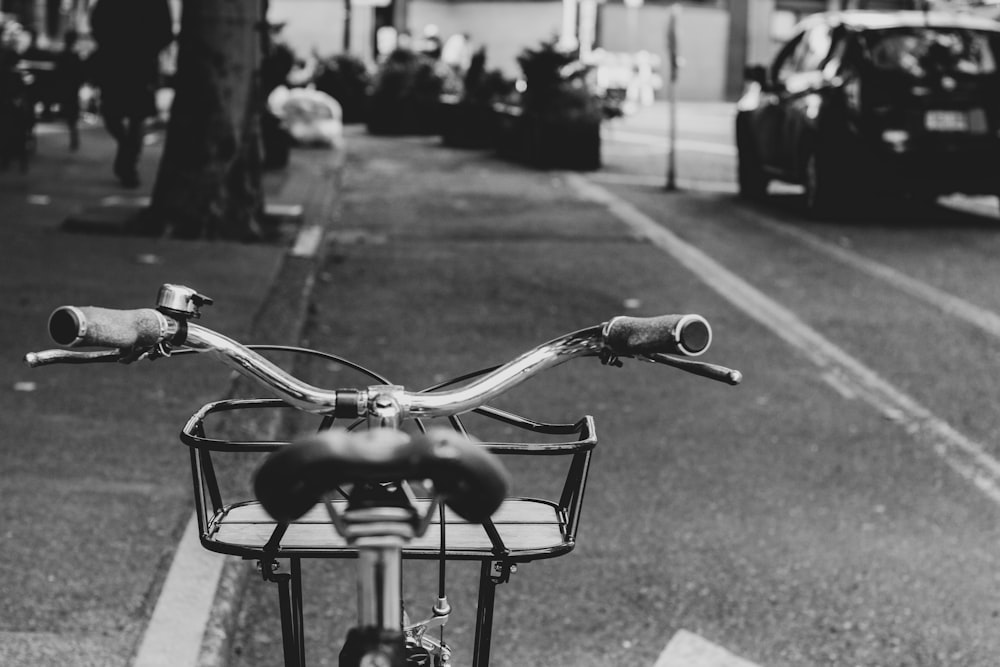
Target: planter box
(546, 144)
(467, 125)
(403, 117)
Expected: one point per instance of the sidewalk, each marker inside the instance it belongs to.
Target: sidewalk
(95, 484)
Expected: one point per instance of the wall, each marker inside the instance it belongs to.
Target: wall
(508, 27)
(702, 38)
(319, 25)
(505, 28)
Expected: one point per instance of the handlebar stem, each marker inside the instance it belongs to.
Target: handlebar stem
(384, 407)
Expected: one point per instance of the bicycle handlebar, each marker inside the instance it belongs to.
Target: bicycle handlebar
(151, 333)
(470, 479)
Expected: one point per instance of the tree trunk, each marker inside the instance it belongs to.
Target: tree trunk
(348, 5)
(209, 179)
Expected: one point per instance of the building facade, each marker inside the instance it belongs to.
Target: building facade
(715, 39)
(49, 19)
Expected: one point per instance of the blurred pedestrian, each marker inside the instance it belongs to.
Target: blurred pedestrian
(69, 78)
(278, 62)
(17, 115)
(130, 34)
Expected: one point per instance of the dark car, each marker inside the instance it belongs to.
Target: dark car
(859, 103)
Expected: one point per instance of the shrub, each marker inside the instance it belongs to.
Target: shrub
(482, 87)
(557, 121)
(406, 93)
(469, 120)
(558, 85)
(347, 79)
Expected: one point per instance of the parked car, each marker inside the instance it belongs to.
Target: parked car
(868, 102)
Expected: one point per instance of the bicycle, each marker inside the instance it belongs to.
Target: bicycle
(380, 495)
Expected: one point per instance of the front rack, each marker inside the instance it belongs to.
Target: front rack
(522, 530)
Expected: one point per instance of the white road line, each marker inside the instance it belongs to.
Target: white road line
(288, 210)
(950, 304)
(838, 385)
(979, 205)
(277, 208)
(963, 455)
(657, 141)
(307, 241)
(118, 200)
(173, 636)
(686, 649)
(643, 180)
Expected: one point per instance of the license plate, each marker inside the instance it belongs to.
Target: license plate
(946, 121)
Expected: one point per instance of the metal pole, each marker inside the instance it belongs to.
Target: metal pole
(672, 97)
(348, 20)
(568, 38)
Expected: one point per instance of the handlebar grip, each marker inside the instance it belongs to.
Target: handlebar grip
(293, 479)
(689, 335)
(75, 326)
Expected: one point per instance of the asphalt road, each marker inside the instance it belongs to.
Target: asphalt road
(839, 508)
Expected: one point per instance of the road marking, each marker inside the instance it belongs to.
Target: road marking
(286, 210)
(657, 141)
(686, 649)
(838, 385)
(270, 208)
(175, 630)
(964, 456)
(980, 205)
(127, 202)
(307, 241)
(696, 184)
(947, 303)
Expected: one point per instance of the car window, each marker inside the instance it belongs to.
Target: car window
(814, 49)
(924, 51)
(807, 52)
(786, 63)
(798, 66)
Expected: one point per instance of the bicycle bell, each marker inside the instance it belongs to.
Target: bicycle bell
(181, 301)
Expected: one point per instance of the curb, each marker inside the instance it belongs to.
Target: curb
(280, 318)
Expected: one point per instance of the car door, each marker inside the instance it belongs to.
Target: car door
(800, 95)
(770, 113)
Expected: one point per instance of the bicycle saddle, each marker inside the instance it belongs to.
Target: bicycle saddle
(470, 479)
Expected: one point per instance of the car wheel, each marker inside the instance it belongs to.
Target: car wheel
(824, 191)
(750, 176)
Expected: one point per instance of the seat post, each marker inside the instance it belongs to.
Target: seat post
(379, 587)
